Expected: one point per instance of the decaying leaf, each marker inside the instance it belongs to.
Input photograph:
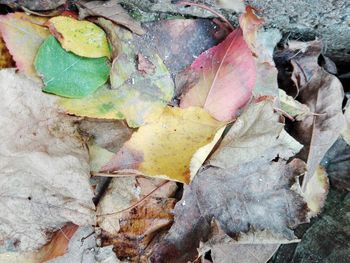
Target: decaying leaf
(132, 96)
(111, 10)
(323, 94)
(19, 28)
(249, 188)
(67, 74)
(6, 60)
(165, 145)
(44, 163)
(226, 78)
(129, 222)
(316, 191)
(80, 37)
(293, 107)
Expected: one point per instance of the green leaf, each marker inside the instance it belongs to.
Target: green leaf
(68, 75)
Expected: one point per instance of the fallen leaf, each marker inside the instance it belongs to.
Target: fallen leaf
(346, 131)
(69, 75)
(293, 107)
(316, 191)
(252, 191)
(19, 28)
(235, 5)
(83, 38)
(111, 10)
(6, 60)
(323, 94)
(33, 4)
(144, 65)
(132, 96)
(128, 222)
(226, 78)
(165, 145)
(44, 164)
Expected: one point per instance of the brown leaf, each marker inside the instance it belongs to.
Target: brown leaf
(248, 191)
(44, 163)
(6, 60)
(34, 4)
(111, 10)
(132, 212)
(323, 94)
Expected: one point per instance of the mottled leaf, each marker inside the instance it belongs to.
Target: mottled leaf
(165, 145)
(67, 74)
(226, 78)
(83, 38)
(19, 28)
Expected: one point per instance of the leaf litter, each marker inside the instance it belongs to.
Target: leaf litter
(198, 138)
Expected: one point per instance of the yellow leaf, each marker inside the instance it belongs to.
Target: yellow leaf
(23, 35)
(165, 145)
(80, 37)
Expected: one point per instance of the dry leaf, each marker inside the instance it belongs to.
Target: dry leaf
(19, 28)
(34, 4)
(6, 60)
(111, 10)
(323, 94)
(293, 107)
(235, 5)
(128, 220)
(226, 78)
(44, 164)
(249, 188)
(165, 145)
(346, 131)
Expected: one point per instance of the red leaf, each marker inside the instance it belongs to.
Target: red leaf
(226, 78)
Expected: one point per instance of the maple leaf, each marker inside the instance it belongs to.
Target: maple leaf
(165, 145)
(226, 78)
(44, 164)
(67, 74)
(322, 93)
(19, 28)
(132, 95)
(83, 38)
(128, 220)
(248, 190)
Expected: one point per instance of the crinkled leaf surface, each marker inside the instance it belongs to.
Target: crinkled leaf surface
(323, 94)
(130, 224)
(111, 10)
(67, 74)
(165, 145)
(44, 163)
(19, 28)
(251, 192)
(226, 78)
(83, 38)
(133, 95)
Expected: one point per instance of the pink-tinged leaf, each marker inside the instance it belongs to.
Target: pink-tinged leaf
(226, 78)
(23, 35)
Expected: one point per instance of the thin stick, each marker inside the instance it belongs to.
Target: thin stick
(208, 9)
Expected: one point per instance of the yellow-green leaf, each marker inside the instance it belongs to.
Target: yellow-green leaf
(80, 37)
(164, 147)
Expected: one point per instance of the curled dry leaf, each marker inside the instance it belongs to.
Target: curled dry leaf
(323, 94)
(226, 78)
(80, 37)
(165, 145)
(133, 96)
(133, 211)
(19, 28)
(249, 188)
(44, 164)
(111, 10)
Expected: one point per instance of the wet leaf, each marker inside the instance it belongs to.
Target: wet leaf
(129, 222)
(83, 38)
(69, 75)
(165, 145)
(19, 28)
(44, 164)
(132, 96)
(111, 10)
(323, 94)
(252, 191)
(226, 78)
